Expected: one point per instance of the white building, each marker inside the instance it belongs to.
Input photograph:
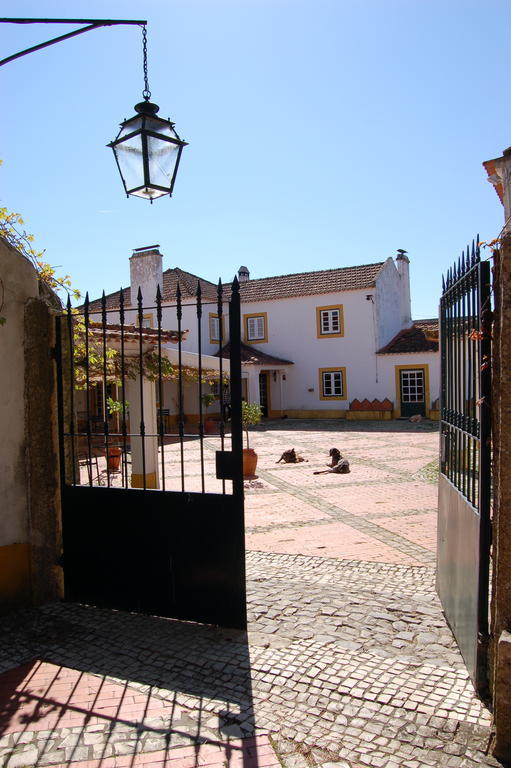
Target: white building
(337, 343)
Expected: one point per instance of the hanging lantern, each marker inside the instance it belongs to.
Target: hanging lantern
(147, 149)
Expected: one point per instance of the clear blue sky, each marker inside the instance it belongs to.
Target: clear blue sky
(322, 133)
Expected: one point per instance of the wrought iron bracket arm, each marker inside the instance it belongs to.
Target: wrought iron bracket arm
(90, 24)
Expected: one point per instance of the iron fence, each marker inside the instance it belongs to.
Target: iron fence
(465, 335)
(133, 393)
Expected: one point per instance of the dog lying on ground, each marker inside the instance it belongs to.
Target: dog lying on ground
(341, 468)
(290, 457)
(415, 419)
(338, 464)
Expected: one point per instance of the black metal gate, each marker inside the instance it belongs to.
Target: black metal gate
(152, 504)
(465, 471)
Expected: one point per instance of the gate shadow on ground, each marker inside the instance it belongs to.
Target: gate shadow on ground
(122, 684)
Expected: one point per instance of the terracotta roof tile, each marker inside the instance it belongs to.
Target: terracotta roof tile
(187, 281)
(252, 356)
(421, 337)
(308, 283)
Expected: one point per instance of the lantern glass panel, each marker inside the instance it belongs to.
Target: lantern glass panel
(162, 156)
(160, 126)
(129, 157)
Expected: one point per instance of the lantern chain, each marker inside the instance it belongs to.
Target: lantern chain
(146, 93)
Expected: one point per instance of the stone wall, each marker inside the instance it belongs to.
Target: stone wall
(501, 587)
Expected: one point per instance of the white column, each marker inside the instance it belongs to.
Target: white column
(254, 394)
(150, 444)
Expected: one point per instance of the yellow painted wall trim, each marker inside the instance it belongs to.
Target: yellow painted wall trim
(344, 395)
(212, 340)
(245, 328)
(14, 575)
(137, 481)
(398, 369)
(341, 322)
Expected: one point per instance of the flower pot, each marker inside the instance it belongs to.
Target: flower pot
(249, 462)
(114, 458)
(210, 426)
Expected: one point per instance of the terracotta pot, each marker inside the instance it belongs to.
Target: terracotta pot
(249, 462)
(210, 426)
(114, 458)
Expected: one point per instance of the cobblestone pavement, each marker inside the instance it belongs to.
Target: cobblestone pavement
(348, 661)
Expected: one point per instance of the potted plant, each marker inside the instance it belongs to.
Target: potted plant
(208, 398)
(115, 407)
(250, 414)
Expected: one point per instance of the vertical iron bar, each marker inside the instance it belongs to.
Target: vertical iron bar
(220, 345)
(485, 447)
(237, 436)
(179, 311)
(199, 349)
(443, 356)
(464, 381)
(87, 381)
(123, 385)
(452, 441)
(160, 388)
(457, 384)
(475, 379)
(235, 380)
(141, 375)
(71, 384)
(471, 388)
(105, 409)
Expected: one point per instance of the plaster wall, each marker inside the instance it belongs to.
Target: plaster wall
(19, 283)
(292, 335)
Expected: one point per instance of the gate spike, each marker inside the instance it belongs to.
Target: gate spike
(68, 304)
(443, 284)
(103, 309)
(179, 311)
(158, 303)
(198, 295)
(140, 309)
(463, 261)
(478, 249)
(121, 306)
(219, 292)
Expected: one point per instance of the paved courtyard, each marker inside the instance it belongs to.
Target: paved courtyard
(348, 661)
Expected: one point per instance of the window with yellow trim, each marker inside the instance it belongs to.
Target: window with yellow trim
(330, 321)
(256, 328)
(332, 383)
(214, 328)
(147, 321)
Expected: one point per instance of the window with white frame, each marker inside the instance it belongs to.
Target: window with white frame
(255, 327)
(330, 321)
(332, 383)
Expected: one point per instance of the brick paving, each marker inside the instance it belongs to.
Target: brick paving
(348, 661)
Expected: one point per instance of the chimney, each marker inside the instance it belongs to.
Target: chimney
(403, 268)
(243, 274)
(146, 273)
